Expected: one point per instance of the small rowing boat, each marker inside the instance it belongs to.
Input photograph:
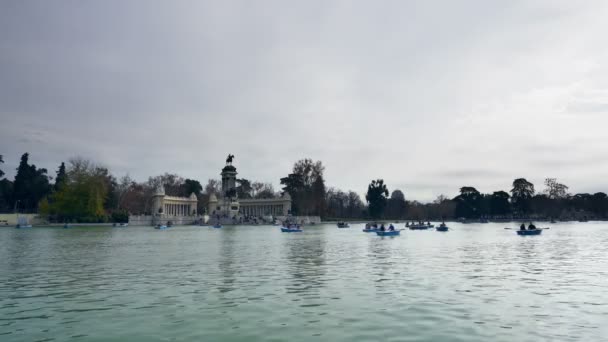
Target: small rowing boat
(343, 225)
(387, 233)
(420, 226)
(217, 226)
(529, 232)
(291, 230)
(161, 227)
(22, 223)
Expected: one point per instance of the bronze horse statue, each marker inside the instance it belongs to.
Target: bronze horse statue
(229, 159)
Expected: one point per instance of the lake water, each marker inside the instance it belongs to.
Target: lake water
(473, 283)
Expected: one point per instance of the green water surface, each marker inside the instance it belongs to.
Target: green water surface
(477, 282)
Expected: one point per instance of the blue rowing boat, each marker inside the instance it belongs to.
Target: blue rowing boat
(442, 228)
(420, 227)
(529, 232)
(388, 233)
(291, 230)
(218, 226)
(163, 227)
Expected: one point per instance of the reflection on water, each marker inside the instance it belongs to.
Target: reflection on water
(474, 283)
(305, 260)
(226, 259)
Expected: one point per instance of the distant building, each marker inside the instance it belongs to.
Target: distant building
(227, 205)
(170, 206)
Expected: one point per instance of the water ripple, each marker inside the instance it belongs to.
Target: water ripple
(245, 283)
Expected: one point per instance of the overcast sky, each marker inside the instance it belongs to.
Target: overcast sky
(428, 95)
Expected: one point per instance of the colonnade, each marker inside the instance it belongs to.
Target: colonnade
(262, 210)
(176, 209)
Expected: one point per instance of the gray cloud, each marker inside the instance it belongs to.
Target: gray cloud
(427, 93)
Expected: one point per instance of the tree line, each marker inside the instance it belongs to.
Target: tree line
(83, 191)
(521, 202)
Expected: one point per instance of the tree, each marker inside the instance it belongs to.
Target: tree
(6, 195)
(521, 194)
(336, 202)
(468, 203)
(6, 191)
(84, 195)
(396, 205)
(599, 204)
(122, 188)
(61, 177)
(191, 186)
(172, 183)
(30, 186)
(265, 191)
(444, 207)
(499, 203)
(376, 197)
(318, 196)
(416, 211)
(355, 207)
(244, 188)
(554, 189)
(306, 187)
(136, 198)
(213, 186)
(294, 186)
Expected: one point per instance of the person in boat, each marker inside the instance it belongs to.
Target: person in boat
(382, 229)
(531, 226)
(391, 228)
(442, 225)
(428, 223)
(522, 227)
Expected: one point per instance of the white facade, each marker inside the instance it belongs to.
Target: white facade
(228, 205)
